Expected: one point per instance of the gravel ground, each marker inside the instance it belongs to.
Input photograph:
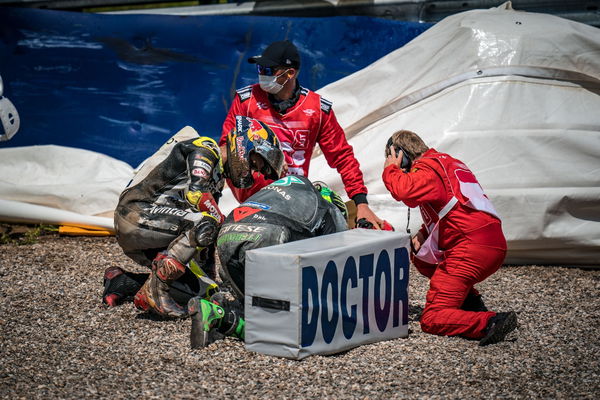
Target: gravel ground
(58, 341)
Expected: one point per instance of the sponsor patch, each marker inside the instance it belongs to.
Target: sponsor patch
(200, 172)
(241, 228)
(300, 139)
(242, 212)
(244, 93)
(238, 237)
(287, 181)
(326, 106)
(168, 211)
(202, 164)
(255, 204)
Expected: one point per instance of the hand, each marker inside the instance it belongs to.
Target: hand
(417, 241)
(363, 211)
(393, 159)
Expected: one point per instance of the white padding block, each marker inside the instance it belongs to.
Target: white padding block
(327, 294)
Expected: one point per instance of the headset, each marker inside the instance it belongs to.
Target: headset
(406, 161)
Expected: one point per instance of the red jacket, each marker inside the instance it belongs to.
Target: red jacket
(430, 186)
(310, 121)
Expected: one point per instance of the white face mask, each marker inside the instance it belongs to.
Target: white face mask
(269, 83)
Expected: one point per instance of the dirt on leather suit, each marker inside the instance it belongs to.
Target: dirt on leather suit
(286, 210)
(171, 207)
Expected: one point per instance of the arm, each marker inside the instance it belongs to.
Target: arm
(205, 177)
(413, 188)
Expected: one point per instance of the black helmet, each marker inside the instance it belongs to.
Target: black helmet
(331, 197)
(252, 136)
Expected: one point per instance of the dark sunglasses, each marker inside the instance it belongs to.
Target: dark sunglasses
(268, 71)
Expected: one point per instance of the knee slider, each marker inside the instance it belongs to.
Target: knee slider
(205, 233)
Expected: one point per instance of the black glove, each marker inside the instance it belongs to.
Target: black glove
(364, 223)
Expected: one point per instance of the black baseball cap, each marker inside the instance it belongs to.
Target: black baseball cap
(281, 53)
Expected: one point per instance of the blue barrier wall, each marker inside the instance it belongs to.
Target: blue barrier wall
(122, 84)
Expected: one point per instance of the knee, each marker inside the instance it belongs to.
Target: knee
(427, 320)
(205, 232)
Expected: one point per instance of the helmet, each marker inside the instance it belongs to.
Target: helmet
(251, 136)
(331, 197)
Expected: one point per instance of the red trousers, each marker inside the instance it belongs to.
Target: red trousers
(451, 280)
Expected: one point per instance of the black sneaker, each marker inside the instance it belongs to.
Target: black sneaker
(473, 302)
(498, 327)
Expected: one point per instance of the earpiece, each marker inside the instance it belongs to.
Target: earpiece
(406, 161)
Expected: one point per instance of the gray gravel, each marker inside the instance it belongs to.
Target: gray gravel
(58, 341)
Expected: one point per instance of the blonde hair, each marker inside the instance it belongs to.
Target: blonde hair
(410, 142)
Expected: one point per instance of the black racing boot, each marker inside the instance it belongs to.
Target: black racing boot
(473, 302)
(120, 285)
(498, 327)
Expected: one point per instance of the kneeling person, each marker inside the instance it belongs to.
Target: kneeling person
(287, 210)
(168, 216)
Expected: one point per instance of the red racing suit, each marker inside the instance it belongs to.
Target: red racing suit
(309, 121)
(464, 245)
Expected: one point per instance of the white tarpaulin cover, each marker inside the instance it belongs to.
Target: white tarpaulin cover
(63, 178)
(515, 96)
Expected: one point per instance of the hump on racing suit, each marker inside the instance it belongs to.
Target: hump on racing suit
(172, 192)
(292, 201)
(287, 210)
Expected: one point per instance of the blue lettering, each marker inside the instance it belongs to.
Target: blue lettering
(365, 272)
(383, 269)
(348, 320)
(330, 279)
(401, 263)
(326, 294)
(309, 283)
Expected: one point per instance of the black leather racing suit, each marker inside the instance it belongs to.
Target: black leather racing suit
(154, 212)
(286, 210)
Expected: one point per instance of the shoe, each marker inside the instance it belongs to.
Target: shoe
(118, 286)
(143, 299)
(498, 327)
(154, 295)
(473, 302)
(233, 323)
(206, 317)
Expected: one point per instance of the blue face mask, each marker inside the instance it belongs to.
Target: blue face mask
(269, 83)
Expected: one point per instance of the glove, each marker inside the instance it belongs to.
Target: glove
(205, 202)
(363, 223)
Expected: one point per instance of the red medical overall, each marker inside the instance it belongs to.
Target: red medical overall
(464, 244)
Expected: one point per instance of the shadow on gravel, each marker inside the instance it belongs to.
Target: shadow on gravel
(414, 312)
(154, 317)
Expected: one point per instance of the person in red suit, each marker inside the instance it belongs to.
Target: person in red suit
(460, 243)
(300, 118)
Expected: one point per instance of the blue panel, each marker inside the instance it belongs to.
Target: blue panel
(122, 84)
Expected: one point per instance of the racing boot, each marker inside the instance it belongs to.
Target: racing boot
(210, 321)
(120, 285)
(154, 295)
(498, 327)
